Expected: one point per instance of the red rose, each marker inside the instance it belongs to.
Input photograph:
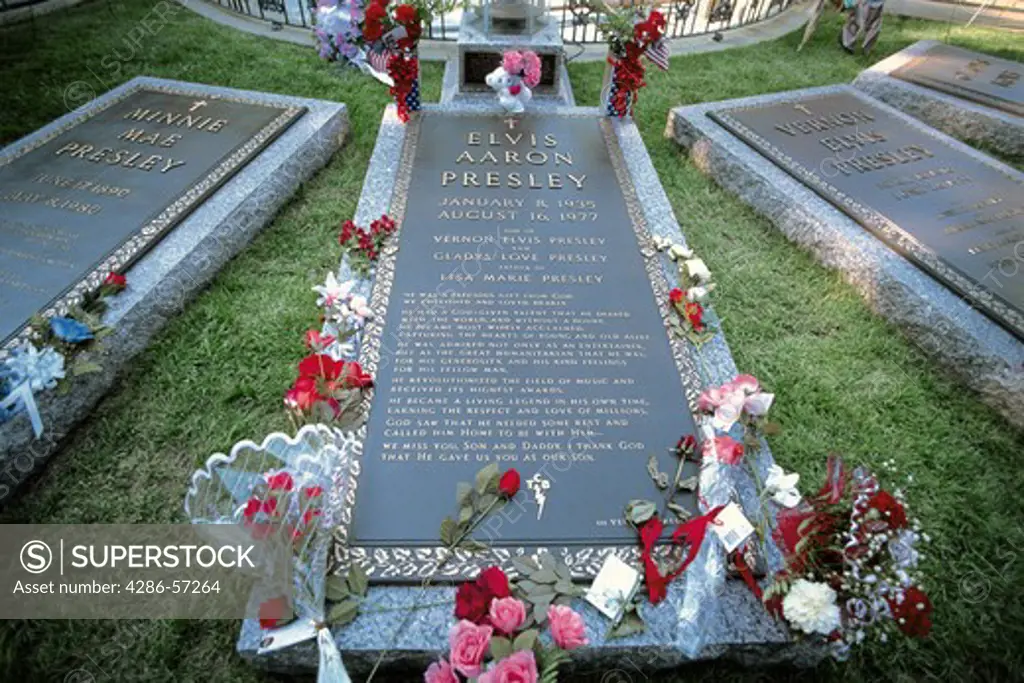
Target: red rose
(321, 366)
(251, 508)
(372, 30)
(116, 281)
(676, 295)
(317, 341)
(494, 581)
(686, 444)
(303, 394)
(309, 515)
(375, 12)
(695, 314)
(274, 612)
(313, 491)
(889, 509)
(472, 603)
(406, 14)
(269, 505)
(348, 228)
(282, 481)
(355, 377)
(508, 485)
(913, 615)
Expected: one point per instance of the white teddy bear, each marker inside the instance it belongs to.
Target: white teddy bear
(513, 80)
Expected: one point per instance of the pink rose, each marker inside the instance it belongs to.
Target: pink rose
(507, 614)
(748, 384)
(440, 672)
(725, 449)
(518, 667)
(710, 399)
(567, 627)
(469, 644)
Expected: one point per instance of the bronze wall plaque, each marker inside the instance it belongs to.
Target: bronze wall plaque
(960, 219)
(973, 76)
(96, 194)
(520, 321)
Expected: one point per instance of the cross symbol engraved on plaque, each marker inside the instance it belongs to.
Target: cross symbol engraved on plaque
(511, 122)
(197, 104)
(802, 109)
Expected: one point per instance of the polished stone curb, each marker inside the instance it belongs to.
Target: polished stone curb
(974, 348)
(705, 616)
(180, 264)
(971, 122)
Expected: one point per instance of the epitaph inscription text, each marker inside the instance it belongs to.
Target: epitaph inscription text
(122, 176)
(521, 329)
(959, 218)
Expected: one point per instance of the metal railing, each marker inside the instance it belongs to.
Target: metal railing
(578, 20)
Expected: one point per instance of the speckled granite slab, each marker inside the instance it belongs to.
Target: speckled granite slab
(971, 122)
(181, 264)
(706, 615)
(974, 348)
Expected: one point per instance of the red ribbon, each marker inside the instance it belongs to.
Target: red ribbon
(746, 573)
(690, 533)
(628, 77)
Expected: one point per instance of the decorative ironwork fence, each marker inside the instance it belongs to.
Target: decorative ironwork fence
(579, 21)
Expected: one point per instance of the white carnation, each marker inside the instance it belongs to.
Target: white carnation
(811, 607)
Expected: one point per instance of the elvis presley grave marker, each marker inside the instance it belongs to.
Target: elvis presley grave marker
(522, 325)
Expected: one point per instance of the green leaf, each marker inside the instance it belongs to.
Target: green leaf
(525, 640)
(473, 545)
(343, 613)
(660, 478)
(544, 576)
(630, 624)
(358, 581)
(465, 514)
(485, 501)
(563, 572)
(527, 586)
(639, 511)
(688, 484)
(681, 513)
(524, 565)
(449, 532)
(463, 492)
(548, 561)
(500, 647)
(540, 612)
(485, 476)
(336, 588)
(564, 587)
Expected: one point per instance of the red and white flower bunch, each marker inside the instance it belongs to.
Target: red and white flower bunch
(852, 563)
(740, 400)
(363, 245)
(491, 642)
(693, 292)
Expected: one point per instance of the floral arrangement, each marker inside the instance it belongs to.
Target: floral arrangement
(380, 39)
(631, 36)
(852, 563)
(497, 636)
(493, 642)
(56, 347)
(692, 294)
(277, 491)
(329, 387)
(524, 64)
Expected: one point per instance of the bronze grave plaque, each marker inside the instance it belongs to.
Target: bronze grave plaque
(521, 321)
(957, 217)
(97, 193)
(973, 76)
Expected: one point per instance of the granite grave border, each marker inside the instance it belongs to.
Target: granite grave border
(705, 615)
(963, 119)
(185, 260)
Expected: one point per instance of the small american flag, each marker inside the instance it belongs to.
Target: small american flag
(658, 53)
(378, 59)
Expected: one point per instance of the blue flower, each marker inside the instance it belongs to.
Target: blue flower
(70, 330)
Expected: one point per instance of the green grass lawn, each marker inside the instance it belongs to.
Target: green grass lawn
(846, 381)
